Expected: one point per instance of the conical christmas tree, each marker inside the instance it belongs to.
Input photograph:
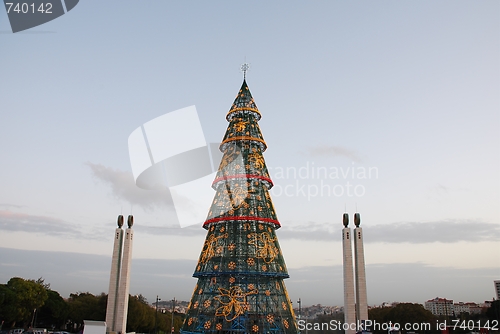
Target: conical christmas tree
(241, 268)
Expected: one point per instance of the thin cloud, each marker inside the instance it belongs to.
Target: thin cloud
(123, 187)
(8, 206)
(447, 231)
(171, 230)
(310, 231)
(14, 222)
(334, 151)
(23, 222)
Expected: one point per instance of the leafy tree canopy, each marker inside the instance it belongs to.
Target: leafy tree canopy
(29, 295)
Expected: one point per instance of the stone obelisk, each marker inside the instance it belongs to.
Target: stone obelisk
(359, 256)
(114, 279)
(122, 300)
(119, 281)
(349, 299)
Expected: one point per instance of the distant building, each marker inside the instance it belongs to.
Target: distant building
(470, 308)
(389, 304)
(440, 306)
(461, 307)
(497, 288)
(475, 308)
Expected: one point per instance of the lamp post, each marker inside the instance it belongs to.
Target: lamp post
(299, 302)
(173, 310)
(156, 318)
(300, 310)
(33, 318)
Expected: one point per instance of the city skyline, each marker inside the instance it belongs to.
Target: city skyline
(388, 109)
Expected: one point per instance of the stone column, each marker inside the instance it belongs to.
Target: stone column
(349, 309)
(114, 279)
(359, 256)
(123, 291)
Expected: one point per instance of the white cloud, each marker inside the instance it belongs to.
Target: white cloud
(446, 231)
(123, 187)
(14, 221)
(9, 206)
(171, 230)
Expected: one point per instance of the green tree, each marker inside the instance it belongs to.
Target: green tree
(8, 309)
(54, 312)
(165, 322)
(493, 312)
(402, 314)
(328, 320)
(29, 296)
(86, 306)
(141, 317)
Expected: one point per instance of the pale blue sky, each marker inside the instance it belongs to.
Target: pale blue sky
(410, 88)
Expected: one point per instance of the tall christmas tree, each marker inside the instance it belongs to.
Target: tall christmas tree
(241, 267)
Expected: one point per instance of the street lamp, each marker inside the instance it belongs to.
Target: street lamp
(33, 319)
(299, 302)
(173, 310)
(156, 319)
